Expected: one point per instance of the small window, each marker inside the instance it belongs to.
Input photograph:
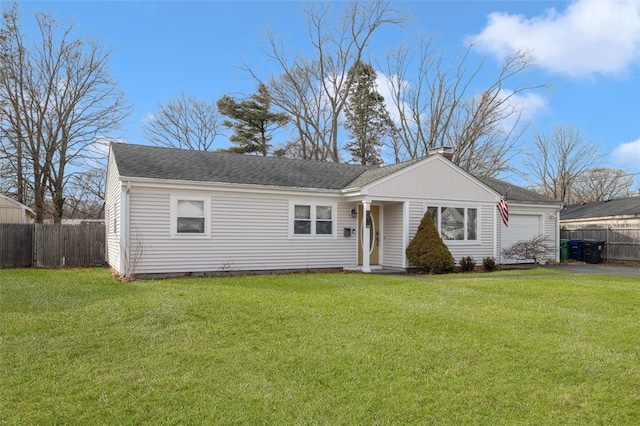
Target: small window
(190, 215)
(324, 223)
(302, 221)
(313, 219)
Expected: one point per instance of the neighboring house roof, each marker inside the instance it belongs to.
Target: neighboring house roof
(16, 203)
(618, 207)
(144, 161)
(514, 193)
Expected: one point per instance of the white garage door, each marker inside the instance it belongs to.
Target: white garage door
(521, 227)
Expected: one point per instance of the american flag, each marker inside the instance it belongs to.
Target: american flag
(503, 208)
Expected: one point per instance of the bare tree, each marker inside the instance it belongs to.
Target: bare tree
(436, 107)
(313, 91)
(59, 99)
(85, 194)
(184, 122)
(557, 160)
(535, 249)
(601, 184)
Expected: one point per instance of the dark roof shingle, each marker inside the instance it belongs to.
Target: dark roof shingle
(514, 193)
(142, 161)
(618, 207)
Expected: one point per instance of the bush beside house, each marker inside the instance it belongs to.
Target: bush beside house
(426, 251)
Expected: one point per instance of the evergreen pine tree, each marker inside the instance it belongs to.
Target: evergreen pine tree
(427, 251)
(252, 121)
(367, 119)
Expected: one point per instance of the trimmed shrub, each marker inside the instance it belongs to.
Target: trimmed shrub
(467, 264)
(489, 264)
(427, 251)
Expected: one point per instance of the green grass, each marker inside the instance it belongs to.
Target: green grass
(530, 347)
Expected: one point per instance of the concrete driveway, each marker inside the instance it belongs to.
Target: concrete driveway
(588, 268)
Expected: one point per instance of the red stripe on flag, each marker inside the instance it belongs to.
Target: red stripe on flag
(503, 208)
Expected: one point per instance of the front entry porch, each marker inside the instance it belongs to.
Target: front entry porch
(382, 231)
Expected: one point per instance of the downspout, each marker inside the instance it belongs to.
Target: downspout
(557, 236)
(124, 227)
(405, 234)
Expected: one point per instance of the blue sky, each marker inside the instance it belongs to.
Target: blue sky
(588, 53)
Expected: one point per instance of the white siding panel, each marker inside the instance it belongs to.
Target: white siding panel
(416, 212)
(112, 216)
(433, 179)
(248, 232)
(393, 255)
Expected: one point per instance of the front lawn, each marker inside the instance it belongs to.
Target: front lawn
(524, 348)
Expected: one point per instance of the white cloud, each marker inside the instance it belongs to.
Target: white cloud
(628, 154)
(589, 37)
(530, 104)
(149, 118)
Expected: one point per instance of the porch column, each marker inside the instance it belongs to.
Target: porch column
(366, 261)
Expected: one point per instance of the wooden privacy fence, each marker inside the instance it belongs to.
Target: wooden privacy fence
(51, 246)
(620, 243)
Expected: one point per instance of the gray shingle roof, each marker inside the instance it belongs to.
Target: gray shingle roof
(374, 174)
(516, 193)
(618, 207)
(142, 161)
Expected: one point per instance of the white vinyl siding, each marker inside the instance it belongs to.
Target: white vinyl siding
(246, 233)
(393, 250)
(435, 178)
(112, 220)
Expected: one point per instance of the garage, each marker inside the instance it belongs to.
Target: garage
(521, 227)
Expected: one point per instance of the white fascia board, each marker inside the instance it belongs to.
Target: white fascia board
(182, 185)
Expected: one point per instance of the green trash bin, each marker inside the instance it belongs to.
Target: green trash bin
(564, 250)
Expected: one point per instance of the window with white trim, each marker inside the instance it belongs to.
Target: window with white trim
(312, 219)
(455, 223)
(190, 216)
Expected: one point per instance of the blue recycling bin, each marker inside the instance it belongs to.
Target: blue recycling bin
(576, 249)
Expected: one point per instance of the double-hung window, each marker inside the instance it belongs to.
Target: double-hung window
(312, 219)
(455, 223)
(190, 216)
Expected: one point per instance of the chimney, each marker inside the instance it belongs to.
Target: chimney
(445, 151)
